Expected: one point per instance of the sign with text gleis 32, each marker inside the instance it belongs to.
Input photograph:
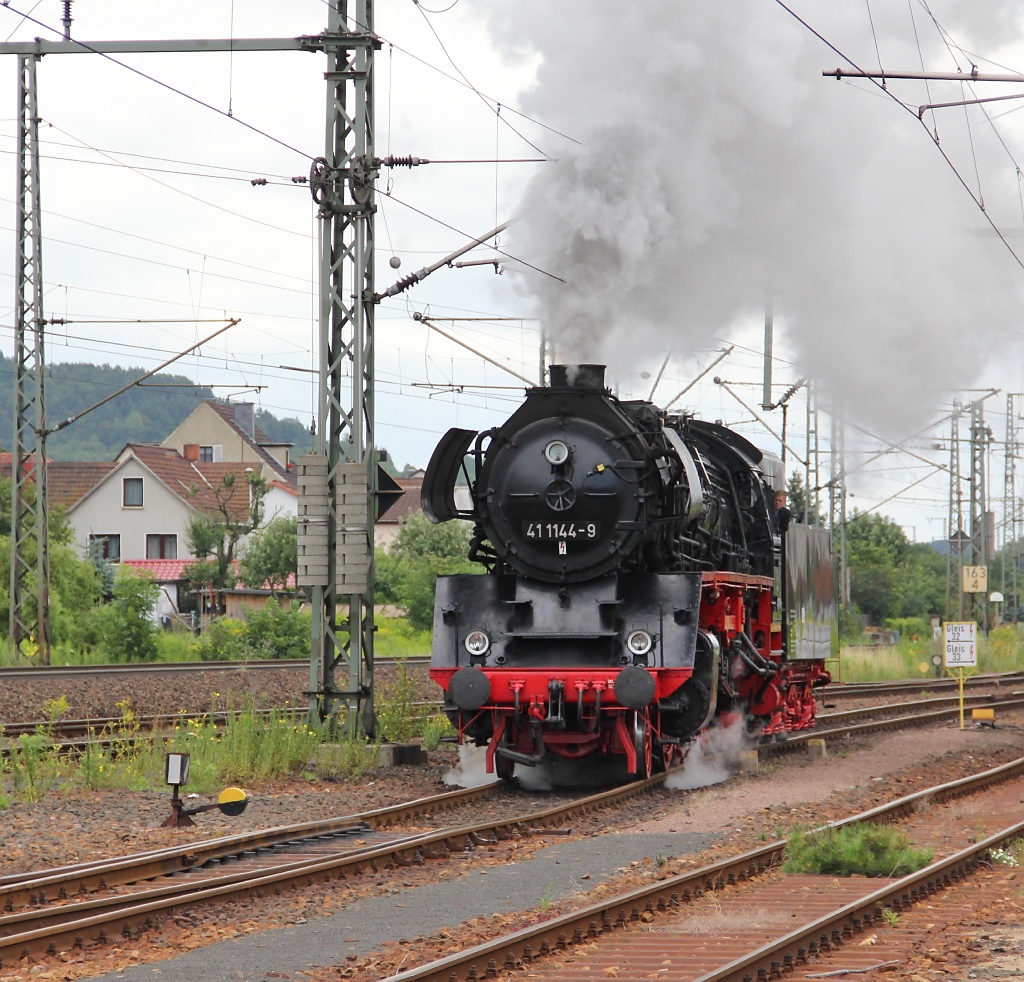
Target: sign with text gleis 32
(961, 644)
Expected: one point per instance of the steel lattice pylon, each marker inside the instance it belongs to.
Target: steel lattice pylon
(342, 183)
(30, 566)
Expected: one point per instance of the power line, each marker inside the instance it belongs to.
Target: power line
(476, 91)
(978, 201)
(171, 187)
(164, 85)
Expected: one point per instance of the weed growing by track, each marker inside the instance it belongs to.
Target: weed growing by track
(865, 849)
(252, 746)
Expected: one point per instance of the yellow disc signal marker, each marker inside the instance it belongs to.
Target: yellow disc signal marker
(232, 801)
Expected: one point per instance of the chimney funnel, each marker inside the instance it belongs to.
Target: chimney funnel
(589, 377)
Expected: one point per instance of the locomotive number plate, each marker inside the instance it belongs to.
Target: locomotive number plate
(550, 531)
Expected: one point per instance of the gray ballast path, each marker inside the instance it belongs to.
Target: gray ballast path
(553, 872)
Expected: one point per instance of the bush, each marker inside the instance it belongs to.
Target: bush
(866, 849)
(223, 640)
(278, 631)
(127, 630)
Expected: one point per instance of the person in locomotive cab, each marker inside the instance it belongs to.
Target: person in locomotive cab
(782, 513)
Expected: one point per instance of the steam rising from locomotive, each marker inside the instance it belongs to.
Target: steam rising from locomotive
(634, 582)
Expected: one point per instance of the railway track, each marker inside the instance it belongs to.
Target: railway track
(827, 721)
(860, 690)
(158, 668)
(124, 897)
(262, 863)
(639, 934)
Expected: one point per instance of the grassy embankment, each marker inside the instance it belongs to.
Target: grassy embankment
(1001, 651)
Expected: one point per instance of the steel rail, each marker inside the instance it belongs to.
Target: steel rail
(515, 951)
(19, 889)
(795, 740)
(834, 928)
(974, 701)
(849, 690)
(137, 913)
(132, 668)
(129, 916)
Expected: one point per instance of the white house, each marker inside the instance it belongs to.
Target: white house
(141, 506)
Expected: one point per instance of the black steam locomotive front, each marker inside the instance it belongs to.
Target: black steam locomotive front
(630, 557)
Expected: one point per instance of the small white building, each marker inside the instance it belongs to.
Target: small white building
(140, 508)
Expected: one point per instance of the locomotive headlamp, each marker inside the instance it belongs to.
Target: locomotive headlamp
(556, 452)
(478, 643)
(639, 642)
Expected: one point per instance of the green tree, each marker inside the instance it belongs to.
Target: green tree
(128, 631)
(272, 554)
(422, 551)
(235, 510)
(889, 576)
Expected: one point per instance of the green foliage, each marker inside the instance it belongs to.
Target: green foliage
(33, 765)
(175, 646)
(214, 538)
(271, 554)
(797, 502)
(395, 707)
(863, 849)
(224, 640)
(143, 414)
(910, 627)
(288, 430)
(279, 630)
(397, 638)
(252, 747)
(407, 573)
(346, 760)
(889, 575)
(127, 630)
(434, 728)
(275, 631)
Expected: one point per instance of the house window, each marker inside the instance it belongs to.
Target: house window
(206, 455)
(106, 547)
(161, 547)
(132, 492)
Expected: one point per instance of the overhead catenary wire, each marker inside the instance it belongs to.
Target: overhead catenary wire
(861, 73)
(124, 388)
(165, 85)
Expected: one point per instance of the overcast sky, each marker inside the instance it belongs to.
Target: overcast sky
(697, 159)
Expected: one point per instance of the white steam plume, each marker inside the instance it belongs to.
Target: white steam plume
(714, 757)
(716, 163)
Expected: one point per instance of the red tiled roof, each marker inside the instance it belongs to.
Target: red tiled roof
(67, 480)
(168, 570)
(163, 570)
(200, 485)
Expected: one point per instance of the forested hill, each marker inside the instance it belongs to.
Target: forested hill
(143, 414)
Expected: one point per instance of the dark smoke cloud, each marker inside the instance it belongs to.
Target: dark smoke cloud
(716, 163)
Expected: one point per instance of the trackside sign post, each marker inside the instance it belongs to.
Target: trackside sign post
(961, 654)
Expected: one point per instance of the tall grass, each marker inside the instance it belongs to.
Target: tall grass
(1001, 651)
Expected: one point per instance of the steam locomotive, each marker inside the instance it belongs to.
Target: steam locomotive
(636, 585)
